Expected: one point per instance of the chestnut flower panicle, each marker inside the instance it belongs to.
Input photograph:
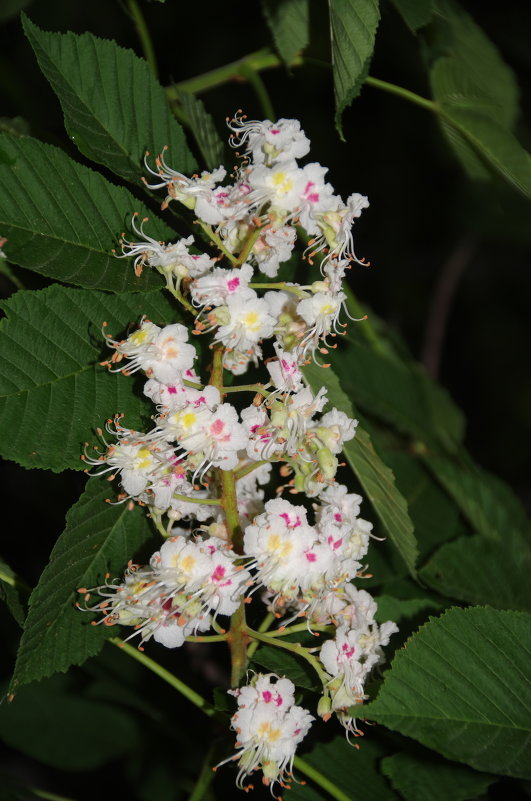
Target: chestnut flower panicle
(208, 470)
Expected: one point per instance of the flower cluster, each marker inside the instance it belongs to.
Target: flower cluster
(269, 727)
(206, 463)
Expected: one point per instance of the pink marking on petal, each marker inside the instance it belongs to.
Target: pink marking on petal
(311, 557)
(267, 696)
(218, 574)
(217, 427)
(233, 284)
(172, 390)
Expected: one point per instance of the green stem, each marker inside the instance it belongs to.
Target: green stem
(259, 60)
(295, 648)
(283, 632)
(143, 34)
(6, 270)
(194, 698)
(157, 520)
(49, 796)
(205, 777)
(217, 242)
(208, 638)
(11, 580)
(177, 294)
(249, 469)
(248, 246)
(264, 625)
(253, 76)
(405, 94)
(237, 637)
(238, 640)
(296, 290)
(16, 582)
(259, 388)
(321, 780)
(192, 384)
(189, 499)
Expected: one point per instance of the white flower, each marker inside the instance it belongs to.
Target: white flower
(172, 259)
(268, 141)
(162, 353)
(249, 322)
(219, 285)
(285, 373)
(179, 187)
(273, 246)
(269, 727)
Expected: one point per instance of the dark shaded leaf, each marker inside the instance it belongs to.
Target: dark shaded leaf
(289, 23)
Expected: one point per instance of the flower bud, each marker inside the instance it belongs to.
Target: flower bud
(324, 707)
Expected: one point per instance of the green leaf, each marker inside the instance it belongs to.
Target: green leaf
(9, 593)
(99, 538)
(434, 515)
(459, 687)
(353, 25)
(63, 220)
(487, 503)
(53, 723)
(375, 477)
(114, 108)
(354, 769)
(400, 394)
(424, 779)
(53, 391)
(469, 126)
(403, 608)
(288, 664)
(289, 23)
(479, 68)
(477, 96)
(203, 129)
(16, 126)
(415, 13)
(476, 571)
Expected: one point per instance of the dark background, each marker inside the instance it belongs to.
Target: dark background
(426, 225)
